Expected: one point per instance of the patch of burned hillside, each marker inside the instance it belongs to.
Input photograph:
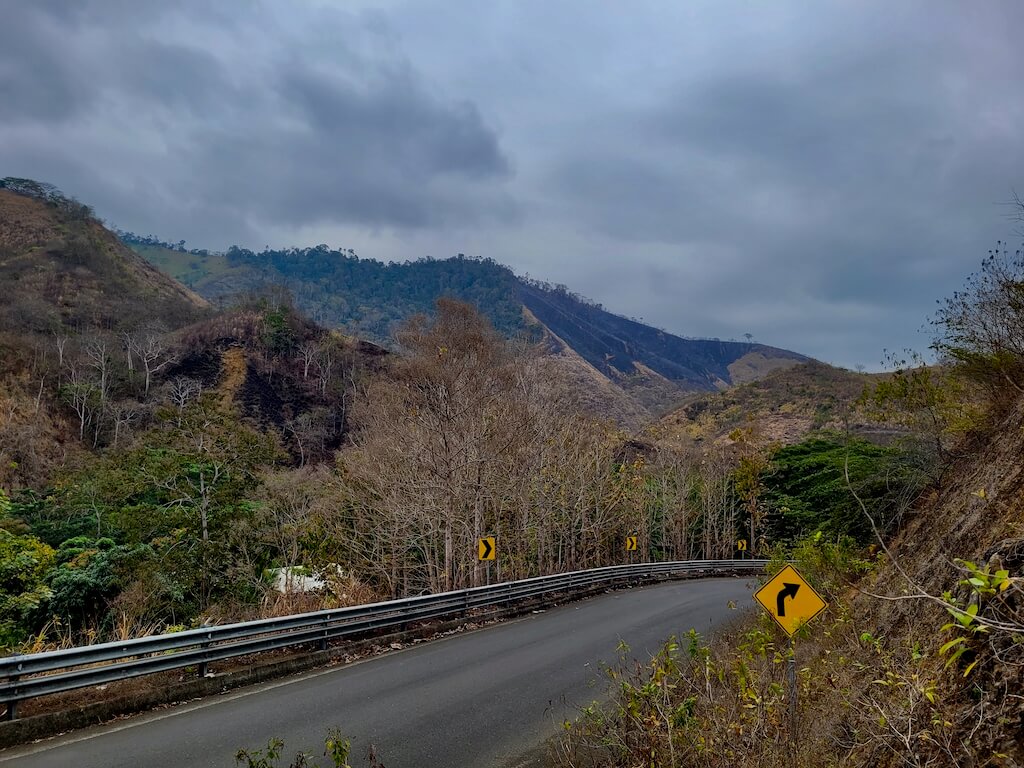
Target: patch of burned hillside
(281, 371)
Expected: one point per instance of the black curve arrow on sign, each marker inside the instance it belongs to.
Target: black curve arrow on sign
(788, 590)
(487, 548)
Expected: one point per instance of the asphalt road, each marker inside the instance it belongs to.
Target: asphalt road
(483, 698)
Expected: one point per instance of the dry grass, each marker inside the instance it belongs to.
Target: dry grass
(71, 272)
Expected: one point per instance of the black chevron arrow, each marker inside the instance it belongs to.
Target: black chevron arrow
(487, 548)
(788, 590)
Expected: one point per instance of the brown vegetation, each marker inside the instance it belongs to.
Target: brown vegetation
(919, 660)
(782, 408)
(65, 271)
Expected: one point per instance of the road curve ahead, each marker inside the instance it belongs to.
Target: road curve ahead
(484, 698)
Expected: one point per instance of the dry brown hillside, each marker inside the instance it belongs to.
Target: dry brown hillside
(67, 281)
(61, 268)
(782, 407)
(978, 517)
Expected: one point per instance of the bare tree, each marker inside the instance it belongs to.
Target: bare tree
(184, 390)
(123, 413)
(97, 354)
(155, 353)
(324, 360)
(981, 328)
(307, 354)
(129, 344)
(83, 396)
(60, 340)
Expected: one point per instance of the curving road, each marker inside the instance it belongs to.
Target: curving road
(485, 698)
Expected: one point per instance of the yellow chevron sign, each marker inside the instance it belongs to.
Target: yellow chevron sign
(486, 549)
(631, 543)
(741, 545)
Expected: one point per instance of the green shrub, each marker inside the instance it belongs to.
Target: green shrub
(806, 488)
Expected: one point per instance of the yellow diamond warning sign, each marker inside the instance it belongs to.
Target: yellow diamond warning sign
(790, 599)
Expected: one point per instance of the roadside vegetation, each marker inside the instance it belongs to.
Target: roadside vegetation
(160, 461)
(918, 547)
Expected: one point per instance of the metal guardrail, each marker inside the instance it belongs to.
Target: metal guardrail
(27, 676)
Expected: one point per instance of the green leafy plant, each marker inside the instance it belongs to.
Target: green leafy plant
(336, 748)
(967, 625)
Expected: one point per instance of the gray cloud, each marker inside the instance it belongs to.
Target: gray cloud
(814, 176)
(257, 133)
(853, 182)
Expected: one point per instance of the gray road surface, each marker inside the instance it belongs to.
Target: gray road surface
(483, 698)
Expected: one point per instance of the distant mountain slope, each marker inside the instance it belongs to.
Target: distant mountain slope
(783, 407)
(645, 366)
(362, 297)
(620, 347)
(61, 268)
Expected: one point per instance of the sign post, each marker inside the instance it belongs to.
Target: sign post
(792, 690)
(741, 547)
(790, 599)
(631, 546)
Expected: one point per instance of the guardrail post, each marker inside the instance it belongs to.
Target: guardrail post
(12, 706)
(204, 665)
(322, 644)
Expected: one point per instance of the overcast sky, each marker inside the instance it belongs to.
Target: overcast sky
(814, 173)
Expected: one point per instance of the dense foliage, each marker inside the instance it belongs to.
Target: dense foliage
(370, 299)
(820, 484)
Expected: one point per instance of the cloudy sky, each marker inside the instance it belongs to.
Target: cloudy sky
(814, 173)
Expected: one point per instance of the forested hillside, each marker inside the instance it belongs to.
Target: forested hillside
(337, 288)
(160, 458)
(648, 367)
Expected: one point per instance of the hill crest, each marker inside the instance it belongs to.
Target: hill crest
(650, 367)
(66, 270)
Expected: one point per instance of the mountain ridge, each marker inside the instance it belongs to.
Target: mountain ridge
(369, 299)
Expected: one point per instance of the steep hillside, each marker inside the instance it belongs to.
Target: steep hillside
(637, 355)
(62, 269)
(98, 346)
(73, 295)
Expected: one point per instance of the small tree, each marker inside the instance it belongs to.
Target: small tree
(981, 328)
